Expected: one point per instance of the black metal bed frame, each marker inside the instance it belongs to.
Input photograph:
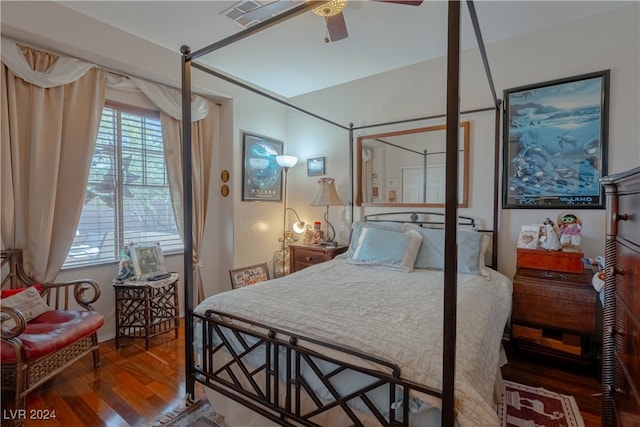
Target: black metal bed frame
(452, 119)
(262, 394)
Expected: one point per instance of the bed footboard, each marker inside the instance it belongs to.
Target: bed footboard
(292, 379)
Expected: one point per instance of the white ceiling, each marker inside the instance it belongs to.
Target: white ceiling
(382, 36)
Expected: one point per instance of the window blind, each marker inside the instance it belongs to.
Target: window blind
(127, 198)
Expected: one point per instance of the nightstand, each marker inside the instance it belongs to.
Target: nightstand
(302, 256)
(145, 309)
(554, 315)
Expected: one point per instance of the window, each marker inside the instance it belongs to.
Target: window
(127, 198)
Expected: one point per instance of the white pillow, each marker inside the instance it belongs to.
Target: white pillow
(28, 302)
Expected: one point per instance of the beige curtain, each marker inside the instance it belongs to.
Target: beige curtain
(48, 138)
(202, 141)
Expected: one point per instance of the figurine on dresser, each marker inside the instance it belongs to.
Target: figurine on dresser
(549, 239)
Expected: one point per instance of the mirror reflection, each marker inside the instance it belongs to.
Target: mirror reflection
(408, 167)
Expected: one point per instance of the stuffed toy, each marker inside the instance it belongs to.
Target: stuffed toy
(570, 226)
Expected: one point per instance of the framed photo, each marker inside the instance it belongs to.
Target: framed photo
(555, 143)
(316, 166)
(249, 275)
(147, 260)
(528, 237)
(261, 174)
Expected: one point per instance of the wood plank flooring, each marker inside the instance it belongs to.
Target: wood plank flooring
(133, 386)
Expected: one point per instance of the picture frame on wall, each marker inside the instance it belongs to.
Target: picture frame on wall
(261, 174)
(316, 166)
(251, 275)
(555, 142)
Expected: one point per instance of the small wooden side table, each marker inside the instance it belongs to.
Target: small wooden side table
(145, 309)
(302, 256)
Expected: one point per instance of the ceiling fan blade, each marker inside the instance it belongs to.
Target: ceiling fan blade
(407, 2)
(336, 27)
(268, 10)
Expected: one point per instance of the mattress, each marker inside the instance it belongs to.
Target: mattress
(393, 315)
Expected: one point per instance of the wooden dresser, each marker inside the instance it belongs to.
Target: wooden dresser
(302, 256)
(621, 318)
(554, 315)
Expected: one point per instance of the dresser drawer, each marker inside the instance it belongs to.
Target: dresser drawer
(627, 282)
(628, 203)
(558, 303)
(626, 401)
(304, 256)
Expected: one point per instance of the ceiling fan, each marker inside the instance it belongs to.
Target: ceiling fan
(331, 11)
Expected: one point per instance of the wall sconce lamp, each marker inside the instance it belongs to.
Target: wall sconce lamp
(327, 196)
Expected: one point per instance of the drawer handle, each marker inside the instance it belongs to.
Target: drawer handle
(308, 258)
(613, 332)
(624, 217)
(549, 275)
(614, 271)
(610, 390)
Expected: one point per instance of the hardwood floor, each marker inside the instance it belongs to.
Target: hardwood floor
(134, 386)
(577, 382)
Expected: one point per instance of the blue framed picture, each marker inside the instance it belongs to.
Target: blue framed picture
(261, 174)
(555, 143)
(315, 166)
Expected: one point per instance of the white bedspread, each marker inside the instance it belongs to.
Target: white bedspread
(394, 315)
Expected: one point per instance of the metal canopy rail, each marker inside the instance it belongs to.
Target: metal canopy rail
(452, 123)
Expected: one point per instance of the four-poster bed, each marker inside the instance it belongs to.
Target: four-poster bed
(267, 402)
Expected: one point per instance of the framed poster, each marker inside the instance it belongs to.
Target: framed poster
(555, 143)
(261, 174)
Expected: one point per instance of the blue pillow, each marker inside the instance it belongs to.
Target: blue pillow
(386, 248)
(357, 229)
(431, 253)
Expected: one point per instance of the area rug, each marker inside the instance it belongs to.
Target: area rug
(524, 406)
(189, 414)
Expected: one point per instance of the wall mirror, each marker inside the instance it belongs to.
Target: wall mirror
(407, 168)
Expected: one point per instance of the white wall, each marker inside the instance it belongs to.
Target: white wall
(575, 48)
(249, 230)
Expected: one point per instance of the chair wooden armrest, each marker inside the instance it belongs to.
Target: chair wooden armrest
(28, 360)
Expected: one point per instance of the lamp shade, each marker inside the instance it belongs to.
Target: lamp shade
(286, 161)
(327, 194)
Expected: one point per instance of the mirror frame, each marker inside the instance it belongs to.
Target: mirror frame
(465, 176)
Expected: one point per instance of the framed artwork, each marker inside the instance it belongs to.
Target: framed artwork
(316, 166)
(249, 275)
(261, 174)
(147, 260)
(555, 143)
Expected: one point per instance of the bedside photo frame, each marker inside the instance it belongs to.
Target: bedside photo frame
(251, 275)
(147, 260)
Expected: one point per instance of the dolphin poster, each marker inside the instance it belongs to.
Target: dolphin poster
(555, 140)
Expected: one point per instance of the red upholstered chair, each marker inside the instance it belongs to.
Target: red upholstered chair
(36, 350)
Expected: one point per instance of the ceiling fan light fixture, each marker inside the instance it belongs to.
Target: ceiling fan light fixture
(332, 8)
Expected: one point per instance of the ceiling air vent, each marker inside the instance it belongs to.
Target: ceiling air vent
(237, 11)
